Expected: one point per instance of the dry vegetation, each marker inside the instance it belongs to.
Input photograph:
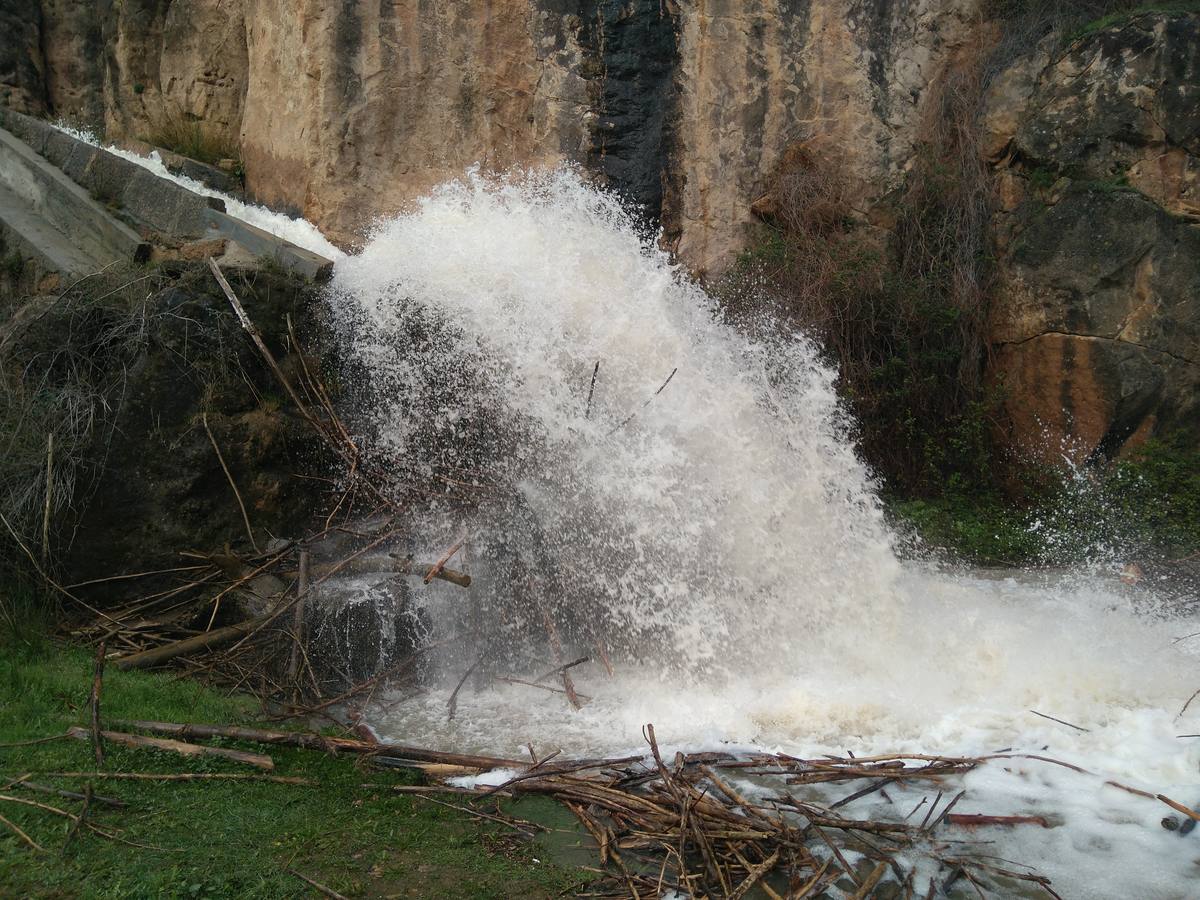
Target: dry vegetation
(193, 138)
(63, 372)
(902, 311)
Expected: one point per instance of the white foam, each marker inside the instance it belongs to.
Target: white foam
(730, 529)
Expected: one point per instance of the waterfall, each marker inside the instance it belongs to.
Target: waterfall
(703, 514)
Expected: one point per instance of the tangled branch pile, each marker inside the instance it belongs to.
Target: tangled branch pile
(710, 824)
(260, 618)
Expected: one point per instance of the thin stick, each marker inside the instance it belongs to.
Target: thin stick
(298, 614)
(184, 776)
(869, 885)
(136, 575)
(249, 327)
(46, 578)
(27, 785)
(22, 835)
(445, 558)
(233, 484)
(603, 654)
(545, 687)
(97, 684)
(945, 812)
(556, 646)
(328, 892)
(592, 390)
(452, 703)
(1059, 721)
(481, 815)
(35, 804)
(45, 740)
(631, 416)
(1189, 701)
(557, 669)
(49, 496)
(83, 813)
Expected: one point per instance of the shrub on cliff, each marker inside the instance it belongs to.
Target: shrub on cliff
(900, 309)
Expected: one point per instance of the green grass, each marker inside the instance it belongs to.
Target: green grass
(1143, 506)
(1121, 16)
(194, 139)
(226, 839)
(983, 530)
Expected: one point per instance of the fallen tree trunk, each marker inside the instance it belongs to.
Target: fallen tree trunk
(183, 749)
(310, 741)
(167, 652)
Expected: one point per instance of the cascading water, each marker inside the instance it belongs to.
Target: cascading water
(298, 231)
(721, 538)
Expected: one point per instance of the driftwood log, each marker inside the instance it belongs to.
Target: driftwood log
(311, 741)
(209, 639)
(184, 749)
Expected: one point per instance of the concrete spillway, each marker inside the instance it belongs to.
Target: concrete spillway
(74, 207)
(47, 216)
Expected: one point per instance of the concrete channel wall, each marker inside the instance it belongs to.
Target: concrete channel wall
(50, 218)
(113, 196)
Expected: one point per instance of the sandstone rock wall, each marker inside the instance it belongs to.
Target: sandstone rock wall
(346, 111)
(371, 105)
(848, 78)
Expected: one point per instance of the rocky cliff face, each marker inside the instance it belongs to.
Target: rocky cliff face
(1097, 316)
(347, 111)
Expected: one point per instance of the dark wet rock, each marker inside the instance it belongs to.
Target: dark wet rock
(1096, 318)
(22, 68)
(158, 486)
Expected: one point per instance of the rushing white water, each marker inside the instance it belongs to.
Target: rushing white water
(295, 230)
(726, 545)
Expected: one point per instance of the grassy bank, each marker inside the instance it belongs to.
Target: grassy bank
(1143, 506)
(224, 838)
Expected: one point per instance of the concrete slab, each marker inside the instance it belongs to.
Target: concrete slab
(263, 244)
(140, 198)
(32, 237)
(45, 206)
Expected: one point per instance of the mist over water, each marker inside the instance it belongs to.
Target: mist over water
(723, 541)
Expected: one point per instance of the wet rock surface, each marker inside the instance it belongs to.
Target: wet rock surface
(1097, 314)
